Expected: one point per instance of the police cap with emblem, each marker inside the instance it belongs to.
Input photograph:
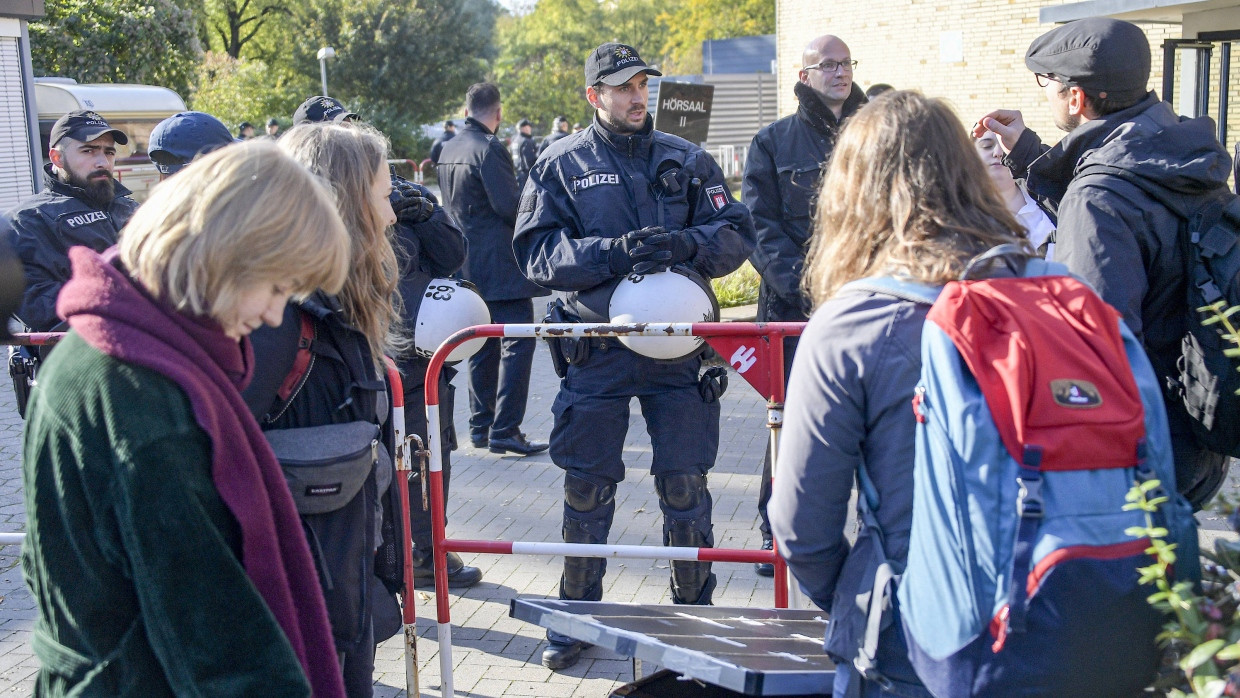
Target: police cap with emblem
(1099, 55)
(85, 126)
(615, 64)
(320, 109)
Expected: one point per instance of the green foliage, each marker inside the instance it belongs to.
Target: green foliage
(397, 64)
(738, 288)
(690, 22)
(233, 26)
(154, 42)
(1221, 315)
(241, 90)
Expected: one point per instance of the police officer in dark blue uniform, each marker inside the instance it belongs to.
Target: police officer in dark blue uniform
(781, 180)
(618, 198)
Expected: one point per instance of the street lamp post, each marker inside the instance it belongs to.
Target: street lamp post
(325, 53)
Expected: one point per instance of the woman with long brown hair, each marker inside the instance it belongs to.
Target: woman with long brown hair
(905, 196)
(336, 392)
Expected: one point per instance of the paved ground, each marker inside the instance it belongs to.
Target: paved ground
(502, 498)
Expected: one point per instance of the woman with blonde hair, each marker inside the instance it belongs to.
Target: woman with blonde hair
(906, 196)
(340, 385)
(163, 549)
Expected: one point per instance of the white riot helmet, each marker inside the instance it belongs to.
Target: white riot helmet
(448, 306)
(678, 295)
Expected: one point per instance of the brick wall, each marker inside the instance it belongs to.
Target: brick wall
(899, 43)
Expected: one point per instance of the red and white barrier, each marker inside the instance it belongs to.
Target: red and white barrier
(755, 351)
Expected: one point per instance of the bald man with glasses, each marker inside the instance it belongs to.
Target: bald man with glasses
(781, 178)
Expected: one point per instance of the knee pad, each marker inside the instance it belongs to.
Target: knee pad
(585, 496)
(588, 512)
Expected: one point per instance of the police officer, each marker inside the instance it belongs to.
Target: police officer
(180, 138)
(449, 132)
(781, 180)
(559, 129)
(616, 198)
(81, 204)
(524, 151)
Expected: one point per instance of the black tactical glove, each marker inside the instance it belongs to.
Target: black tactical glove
(409, 205)
(621, 259)
(663, 251)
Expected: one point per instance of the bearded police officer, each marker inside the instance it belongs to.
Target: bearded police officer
(781, 179)
(81, 204)
(616, 198)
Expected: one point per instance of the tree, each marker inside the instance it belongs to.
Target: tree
(154, 42)
(236, 90)
(237, 23)
(398, 64)
(690, 22)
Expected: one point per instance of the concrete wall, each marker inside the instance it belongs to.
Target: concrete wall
(970, 52)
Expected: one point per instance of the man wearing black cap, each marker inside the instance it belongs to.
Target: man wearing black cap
(81, 204)
(524, 151)
(781, 181)
(273, 128)
(479, 188)
(449, 132)
(559, 129)
(180, 138)
(319, 110)
(1114, 179)
(245, 131)
(621, 198)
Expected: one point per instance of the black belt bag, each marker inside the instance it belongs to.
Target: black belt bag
(326, 466)
(565, 351)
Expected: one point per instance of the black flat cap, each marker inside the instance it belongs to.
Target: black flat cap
(1098, 54)
(615, 64)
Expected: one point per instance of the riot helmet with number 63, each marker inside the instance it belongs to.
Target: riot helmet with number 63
(446, 307)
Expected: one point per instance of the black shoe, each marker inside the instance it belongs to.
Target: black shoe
(562, 655)
(460, 575)
(517, 444)
(765, 569)
(480, 443)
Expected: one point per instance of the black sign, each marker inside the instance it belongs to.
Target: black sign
(684, 109)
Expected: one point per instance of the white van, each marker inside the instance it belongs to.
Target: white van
(134, 109)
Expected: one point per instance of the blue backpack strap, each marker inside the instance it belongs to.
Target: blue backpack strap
(903, 289)
(1029, 507)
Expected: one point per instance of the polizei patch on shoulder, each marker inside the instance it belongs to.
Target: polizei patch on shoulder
(593, 179)
(718, 196)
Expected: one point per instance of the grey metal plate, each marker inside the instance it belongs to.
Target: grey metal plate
(753, 651)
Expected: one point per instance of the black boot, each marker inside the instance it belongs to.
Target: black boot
(562, 651)
(460, 575)
(765, 569)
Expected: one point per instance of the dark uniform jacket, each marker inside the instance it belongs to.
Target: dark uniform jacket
(524, 153)
(1115, 233)
(479, 188)
(780, 186)
(438, 144)
(555, 135)
(594, 186)
(46, 225)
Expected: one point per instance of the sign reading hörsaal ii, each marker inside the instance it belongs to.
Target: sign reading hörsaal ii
(684, 109)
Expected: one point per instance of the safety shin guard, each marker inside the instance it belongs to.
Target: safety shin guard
(588, 512)
(686, 505)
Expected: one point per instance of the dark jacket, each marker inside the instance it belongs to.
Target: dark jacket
(437, 145)
(848, 404)
(594, 186)
(432, 249)
(1119, 235)
(119, 492)
(479, 188)
(550, 139)
(524, 153)
(780, 186)
(43, 229)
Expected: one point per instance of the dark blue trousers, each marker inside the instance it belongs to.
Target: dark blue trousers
(499, 376)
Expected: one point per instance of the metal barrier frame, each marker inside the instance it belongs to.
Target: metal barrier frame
(771, 332)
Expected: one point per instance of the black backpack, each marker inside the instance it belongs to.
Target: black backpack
(1209, 376)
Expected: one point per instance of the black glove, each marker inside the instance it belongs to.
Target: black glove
(661, 252)
(409, 205)
(621, 259)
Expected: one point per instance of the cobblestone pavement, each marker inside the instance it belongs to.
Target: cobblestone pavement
(501, 498)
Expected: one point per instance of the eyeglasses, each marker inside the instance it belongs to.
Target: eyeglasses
(830, 66)
(1045, 79)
